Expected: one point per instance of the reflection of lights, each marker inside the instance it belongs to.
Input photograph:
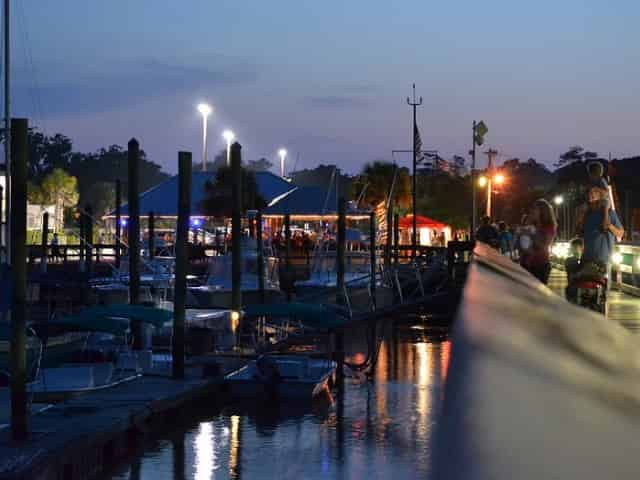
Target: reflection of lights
(617, 258)
(444, 360)
(234, 450)
(425, 368)
(205, 462)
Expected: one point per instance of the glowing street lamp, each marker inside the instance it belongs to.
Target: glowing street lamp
(558, 200)
(488, 181)
(499, 179)
(205, 110)
(229, 136)
(283, 154)
(482, 181)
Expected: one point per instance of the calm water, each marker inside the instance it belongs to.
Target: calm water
(381, 428)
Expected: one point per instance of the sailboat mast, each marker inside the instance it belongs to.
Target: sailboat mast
(7, 131)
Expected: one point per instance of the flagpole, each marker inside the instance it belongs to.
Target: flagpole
(414, 239)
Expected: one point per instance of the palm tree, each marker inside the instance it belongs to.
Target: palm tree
(375, 181)
(61, 189)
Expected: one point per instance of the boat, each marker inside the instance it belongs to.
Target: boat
(216, 290)
(106, 363)
(285, 377)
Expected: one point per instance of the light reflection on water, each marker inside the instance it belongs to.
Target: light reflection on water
(379, 428)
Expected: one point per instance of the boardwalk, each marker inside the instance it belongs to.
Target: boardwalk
(623, 308)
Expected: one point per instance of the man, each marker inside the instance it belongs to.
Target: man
(487, 233)
(598, 229)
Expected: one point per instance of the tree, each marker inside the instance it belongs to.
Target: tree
(60, 189)
(261, 165)
(573, 154)
(321, 177)
(445, 198)
(218, 195)
(220, 160)
(376, 179)
(101, 197)
(34, 193)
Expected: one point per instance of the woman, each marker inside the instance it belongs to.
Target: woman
(535, 257)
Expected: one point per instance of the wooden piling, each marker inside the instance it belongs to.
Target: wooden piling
(18, 241)
(133, 157)
(396, 236)
(182, 237)
(88, 241)
(260, 253)
(287, 258)
(117, 242)
(389, 245)
(236, 233)
(341, 246)
(372, 255)
(152, 235)
(45, 242)
(81, 241)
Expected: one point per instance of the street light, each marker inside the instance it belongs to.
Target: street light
(283, 154)
(488, 181)
(499, 179)
(229, 136)
(482, 181)
(205, 110)
(558, 200)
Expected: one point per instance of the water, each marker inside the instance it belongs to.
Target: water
(381, 428)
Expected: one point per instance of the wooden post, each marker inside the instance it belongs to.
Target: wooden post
(372, 258)
(236, 233)
(152, 235)
(45, 241)
(133, 156)
(81, 241)
(389, 246)
(182, 237)
(18, 240)
(118, 221)
(287, 253)
(396, 236)
(260, 253)
(88, 245)
(341, 247)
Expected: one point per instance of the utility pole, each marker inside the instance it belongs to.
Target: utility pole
(491, 154)
(7, 129)
(474, 208)
(414, 104)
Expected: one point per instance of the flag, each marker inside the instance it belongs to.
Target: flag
(480, 131)
(418, 144)
(442, 165)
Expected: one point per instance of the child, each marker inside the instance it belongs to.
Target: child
(572, 266)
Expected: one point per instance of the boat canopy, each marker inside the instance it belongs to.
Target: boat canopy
(313, 314)
(115, 319)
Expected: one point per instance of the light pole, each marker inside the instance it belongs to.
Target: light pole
(558, 200)
(205, 111)
(283, 154)
(229, 136)
(488, 181)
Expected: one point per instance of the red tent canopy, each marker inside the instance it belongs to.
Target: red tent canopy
(421, 222)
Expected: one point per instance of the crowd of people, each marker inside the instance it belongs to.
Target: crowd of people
(529, 243)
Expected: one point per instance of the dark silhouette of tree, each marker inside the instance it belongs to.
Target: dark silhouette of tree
(321, 177)
(261, 165)
(376, 179)
(218, 196)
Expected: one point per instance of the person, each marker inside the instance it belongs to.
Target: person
(505, 239)
(599, 229)
(572, 265)
(487, 233)
(535, 255)
(55, 247)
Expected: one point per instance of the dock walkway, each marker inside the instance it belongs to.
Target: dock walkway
(78, 438)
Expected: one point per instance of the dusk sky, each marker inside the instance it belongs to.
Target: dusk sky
(328, 80)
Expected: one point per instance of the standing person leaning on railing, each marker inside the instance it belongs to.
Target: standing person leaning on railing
(536, 244)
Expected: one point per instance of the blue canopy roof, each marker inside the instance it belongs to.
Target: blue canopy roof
(305, 201)
(162, 199)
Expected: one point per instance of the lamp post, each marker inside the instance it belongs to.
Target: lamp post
(205, 111)
(283, 154)
(229, 136)
(488, 181)
(558, 200)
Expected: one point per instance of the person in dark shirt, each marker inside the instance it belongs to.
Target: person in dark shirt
(535, 258)
(487, 233)
(572, 266)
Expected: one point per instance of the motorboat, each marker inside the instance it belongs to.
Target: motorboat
(285, 377)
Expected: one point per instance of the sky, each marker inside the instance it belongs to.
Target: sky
(328, 80)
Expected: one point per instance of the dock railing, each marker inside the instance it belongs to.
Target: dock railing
(536, 387)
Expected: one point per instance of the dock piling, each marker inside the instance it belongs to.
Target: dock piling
(133, 157)
(372, 257)
(236, 233)
(396, 237)
(45, 242)
(287, 253)
(118, 225)
(182, 237)
(18, 240)
(340, 290)
(88, 241)
(260, 254)
(152, 238)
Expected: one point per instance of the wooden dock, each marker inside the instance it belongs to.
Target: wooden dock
(79, 438)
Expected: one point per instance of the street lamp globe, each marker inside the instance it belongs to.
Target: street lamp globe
(558, 199)
(229, 136)
(204, 109)
(499, 179)
(282, 153)
(482, 181)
